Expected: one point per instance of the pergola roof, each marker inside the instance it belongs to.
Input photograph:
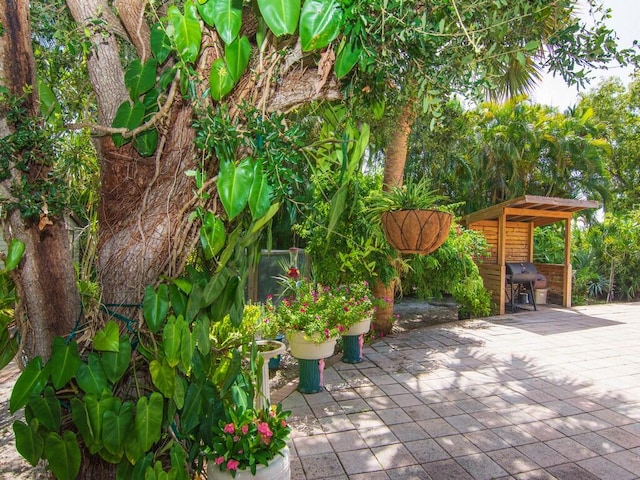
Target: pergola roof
(533, 209)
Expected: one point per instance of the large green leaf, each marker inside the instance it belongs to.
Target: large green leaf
(46, 409)
(146, 142)
(237, 56)
(107, 339)
(139, 78)
(127, 116)
(171, 340)
(95, 412)
(149, 413)
(220, 79)
(234, 185)
(178, 300)
(155, 306)
(201, 334)
(91, 377)
(214, 287)
(187, 346)
(160, 43)
(180, 392)
(260, 194)
(29, 443)
(82, 420)
(8, 347)
(64, 361)
(193, 408)
(30, 382)
(347, 58)
(63, 455)
(226, 15)
(258, 224)
(320, 23)
(14, 254)
(212, 235)
(281, 16)
(116, 427)
(163, 377)
(115, 364)
(185, 31)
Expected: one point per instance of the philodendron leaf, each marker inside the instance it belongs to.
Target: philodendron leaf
(107, 339)
(30, 382)
(163, 377)
(234, 186)
(29, 443)
(160, 43)
(185, 31)
(47, 409)
(91, 377)
(260, 193)
(64, 361)
(237, 56)
(148, 421)
(63, 455)
(226, 15)
(127, 116)
(155, 306)
(115, 364)
(146, 142)
(171, 341)
(347, 58)
(281, 16)
(14, 254)
(320, 23)
(212, 235)
(116, 428)
(220, 79)
(139, 78)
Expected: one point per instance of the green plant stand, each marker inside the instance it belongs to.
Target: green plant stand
(311, 376)
(352, 348)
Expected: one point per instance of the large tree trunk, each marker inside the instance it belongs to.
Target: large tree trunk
(396, 154)
(48, 301)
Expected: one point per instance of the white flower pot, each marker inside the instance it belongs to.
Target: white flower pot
(308, 350)
(359, 328)
(278, 469)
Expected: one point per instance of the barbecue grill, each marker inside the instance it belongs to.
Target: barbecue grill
(523, 276)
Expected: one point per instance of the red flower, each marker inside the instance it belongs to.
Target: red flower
(232, 464)
(229, 428)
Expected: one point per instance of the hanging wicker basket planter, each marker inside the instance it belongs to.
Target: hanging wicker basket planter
(416, 231)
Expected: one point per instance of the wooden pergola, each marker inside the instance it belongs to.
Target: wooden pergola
(508, 228)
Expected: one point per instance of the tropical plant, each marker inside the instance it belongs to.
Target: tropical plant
(410, 196)
(245, 438)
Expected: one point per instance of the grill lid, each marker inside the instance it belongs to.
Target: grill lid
(521, 272)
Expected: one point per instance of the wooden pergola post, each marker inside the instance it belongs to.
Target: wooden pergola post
(568, 273)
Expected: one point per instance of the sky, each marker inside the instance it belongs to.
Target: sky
(625, 21)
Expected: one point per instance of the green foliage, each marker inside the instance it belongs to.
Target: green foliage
(451, 270)
(548, 244)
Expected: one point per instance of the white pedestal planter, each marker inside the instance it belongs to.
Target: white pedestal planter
(278, 469)
(267, 349)
(306, 350)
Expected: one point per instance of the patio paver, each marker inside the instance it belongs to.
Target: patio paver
(533, 395)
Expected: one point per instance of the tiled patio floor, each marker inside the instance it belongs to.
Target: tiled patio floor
(535, 395)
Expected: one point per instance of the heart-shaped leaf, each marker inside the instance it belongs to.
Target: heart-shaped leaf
(237, 56)
(91, 377)
(146, 142)
(160, 43)
(107, 339)
(14, 254)
(163, 377)
(234, 186)
(30, 382)
(82, 420)
(127, 116)
(281, 16)
(29, 443)
(63, 455)
(115, 364)
(116, 427)
(347, 58)
(155, 306)
(212, 235)
(220, 79)
(226, 15)
(320, 23)
(185, 31)
(187, 346)
(171, 341)
(149, 412)
(139, 78)
(260, 194)
(64, 361)
(47, 409)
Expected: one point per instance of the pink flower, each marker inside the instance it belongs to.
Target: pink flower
(346, 309)
(326, 332)
(283, 424)
(229, 428)
(232, 464)
(245, 429)
(340, 328)
(236, 439)
(219, 460)
(263, 429)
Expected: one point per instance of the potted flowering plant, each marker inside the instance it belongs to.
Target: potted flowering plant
(357, 306)
(250, 443)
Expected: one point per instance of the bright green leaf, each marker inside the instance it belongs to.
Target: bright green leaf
(261, 192)
(163, 377)
(220, 79)
(160, 43)
(115, 364)
(187, 345)
(185, 31)
(146, 142)
(237, 56)
(107, 339)
(280, 15)
(226, 15)
(212, 235)
(155, 306)
(116, 428)
(139, 78)
(29, 443)
(30, 382)
(127, 116)
(320, 23)
(347, 58)
(234, 184)
(91, 377)
(63, 455)
(171, 340)
(14, 254)
(46, 409)
(64, 361)
(149, 412)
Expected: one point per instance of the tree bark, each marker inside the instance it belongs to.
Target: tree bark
(396, 154)
(48, 302)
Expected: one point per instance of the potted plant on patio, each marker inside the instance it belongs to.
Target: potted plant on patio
(358, 309)
(250, 444)
(410, 217)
